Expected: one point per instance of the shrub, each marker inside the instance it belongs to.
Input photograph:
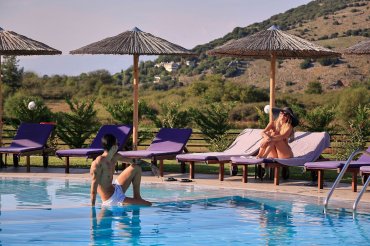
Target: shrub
(76, 127)
(122, 112)
(289, 83)
(320, 119)
(314, 88)
(328, 61)
(263, 118)
(305, 64)
(350, 99)
(16, 107)
(213, 123)
(357, 130)
(171, 116)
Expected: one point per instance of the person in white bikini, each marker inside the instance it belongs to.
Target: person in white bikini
(102, 170)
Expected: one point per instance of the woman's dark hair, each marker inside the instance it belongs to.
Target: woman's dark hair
(108, 141)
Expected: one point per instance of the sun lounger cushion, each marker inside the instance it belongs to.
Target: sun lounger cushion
(247, 143)
(29, 137)
(168, 141)
(365, 169)
(362, 161)
(121, 132)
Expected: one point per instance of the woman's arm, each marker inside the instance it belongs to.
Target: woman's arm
(283, 134)
(265, 131)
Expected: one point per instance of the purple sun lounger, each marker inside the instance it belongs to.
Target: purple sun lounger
(354, 168)
(306, 147)
(30, 139)
(246, 144)
(168, 143)
(121, 132)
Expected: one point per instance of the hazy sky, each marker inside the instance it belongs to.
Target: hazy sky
(70, 24)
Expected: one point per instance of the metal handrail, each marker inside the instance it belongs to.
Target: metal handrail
(342, 172)
(357, 201)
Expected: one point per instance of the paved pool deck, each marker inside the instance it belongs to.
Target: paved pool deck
(342, 197)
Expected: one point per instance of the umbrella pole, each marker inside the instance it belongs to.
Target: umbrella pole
(1, 108)
(136, 102)
(272, 85)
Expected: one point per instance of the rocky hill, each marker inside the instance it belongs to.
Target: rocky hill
(335, 24)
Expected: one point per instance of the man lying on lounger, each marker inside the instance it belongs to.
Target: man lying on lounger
(102, 170)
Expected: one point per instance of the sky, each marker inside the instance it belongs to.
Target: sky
(70, 24)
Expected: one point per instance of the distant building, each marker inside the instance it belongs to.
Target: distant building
(169, 66)
(190, 63)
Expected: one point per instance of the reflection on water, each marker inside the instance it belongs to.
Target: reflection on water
(114, 224)
(26, 192)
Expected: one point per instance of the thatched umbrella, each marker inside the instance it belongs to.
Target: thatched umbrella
(14, 44)
(272, 44)
(134, 42)
(362, 48)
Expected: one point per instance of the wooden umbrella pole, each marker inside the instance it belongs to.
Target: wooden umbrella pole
(1, 108)
(272, 85)
(136, 102)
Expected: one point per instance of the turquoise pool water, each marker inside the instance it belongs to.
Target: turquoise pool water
(55, 212)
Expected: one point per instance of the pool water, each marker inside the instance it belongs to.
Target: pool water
(55, 212)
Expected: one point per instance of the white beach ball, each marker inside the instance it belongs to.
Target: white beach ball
(266, 109)
(31, 105)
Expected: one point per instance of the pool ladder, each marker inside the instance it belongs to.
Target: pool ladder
(340, 176)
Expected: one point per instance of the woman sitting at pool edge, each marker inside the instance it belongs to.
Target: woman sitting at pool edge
(102, 170)
(276, 135)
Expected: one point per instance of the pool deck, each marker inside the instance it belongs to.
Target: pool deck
(342, 195)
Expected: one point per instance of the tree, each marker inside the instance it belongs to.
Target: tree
(171, 116)
(213, 122)
(11, 73)
(320, 119)
(357, 131)
(123, 111)
(76, 127)
(16, 107)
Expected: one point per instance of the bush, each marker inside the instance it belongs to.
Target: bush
(123, 111)
(357, 130)
(263, 118)
(314, 88)
(320, 119)
(350, 99)
(171, 116)
(16, 107)
(328, 61)
(305, 64)
(213, 123)
(76, 127)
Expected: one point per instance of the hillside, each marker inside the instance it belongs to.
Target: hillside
(334, 24)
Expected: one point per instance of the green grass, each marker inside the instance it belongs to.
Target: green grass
(171, 166)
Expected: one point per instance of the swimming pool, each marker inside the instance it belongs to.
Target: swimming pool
(55, 212)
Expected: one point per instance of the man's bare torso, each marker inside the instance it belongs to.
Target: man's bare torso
(105, 177)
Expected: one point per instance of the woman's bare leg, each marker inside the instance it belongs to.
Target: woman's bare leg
(283, 150)
(270, 151)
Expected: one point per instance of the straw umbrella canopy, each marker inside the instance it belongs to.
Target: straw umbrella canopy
(14, 44)
(134, 42)
(272, 44)
(362, 48)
